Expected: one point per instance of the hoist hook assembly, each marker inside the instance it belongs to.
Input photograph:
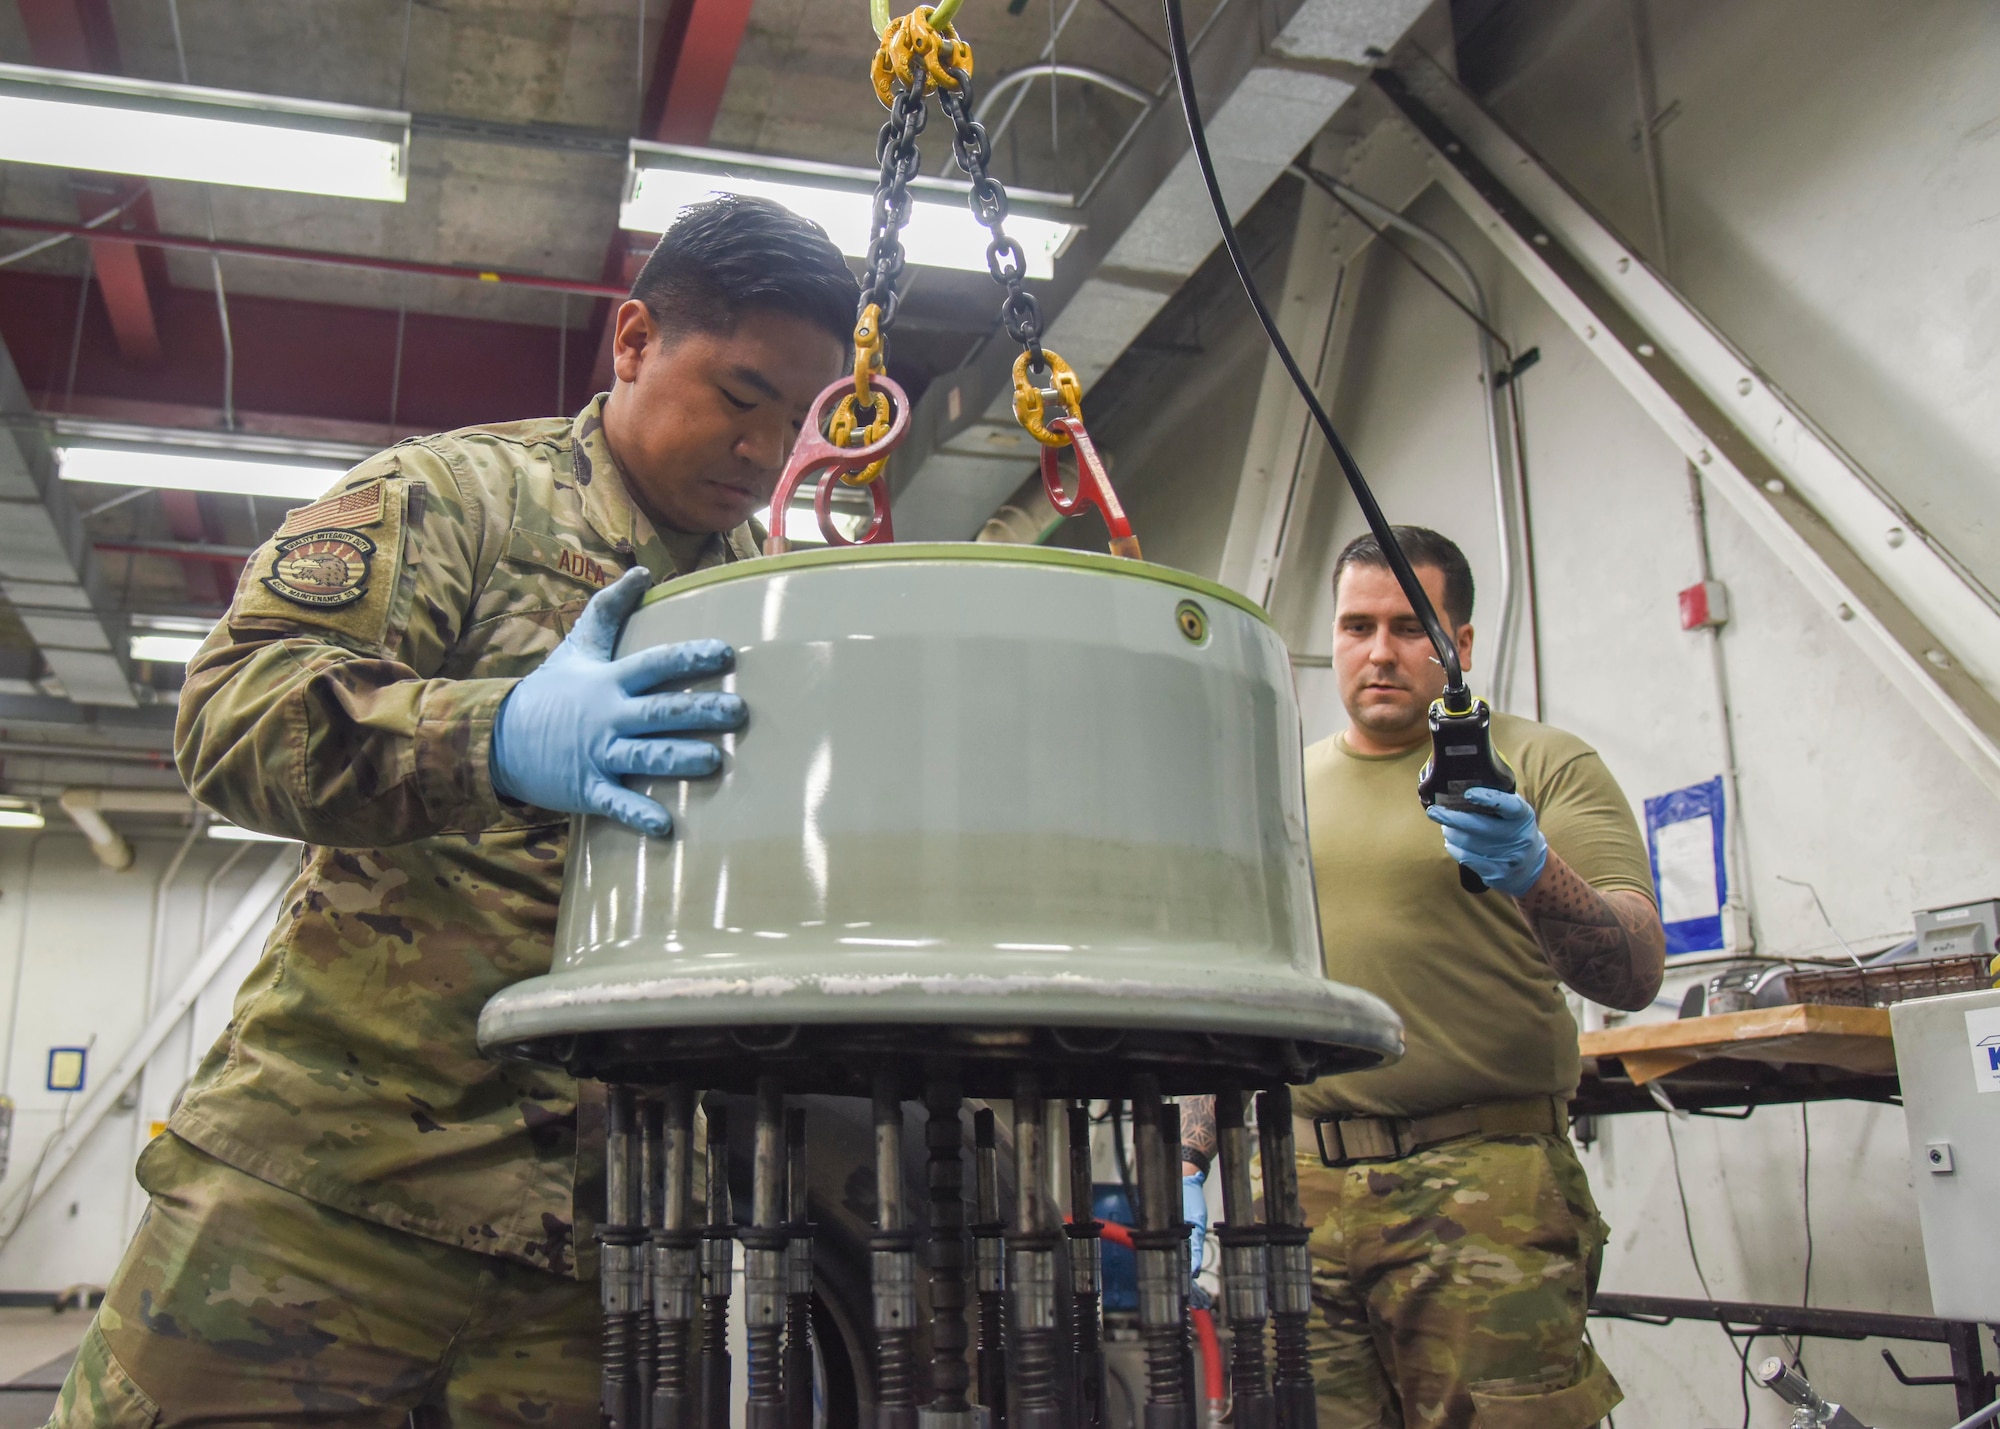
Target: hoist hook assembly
(854, 426)
(823, 458)
(1093, 485)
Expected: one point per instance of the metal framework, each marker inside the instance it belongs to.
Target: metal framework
(1931, 629)
(1973, 1383)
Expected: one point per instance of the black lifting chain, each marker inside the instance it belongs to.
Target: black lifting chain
(1006, 260)
(896, 148)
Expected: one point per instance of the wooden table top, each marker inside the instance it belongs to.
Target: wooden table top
(1853, 1038)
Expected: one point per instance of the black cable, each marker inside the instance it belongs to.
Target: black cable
(1331, 187)
(1457, 699)
(1743, 1374)
(1687, 1221)
(1687, 1227)
(1805, 1196)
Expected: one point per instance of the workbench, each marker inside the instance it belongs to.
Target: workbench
(1733, 1062)
(1728, 1065)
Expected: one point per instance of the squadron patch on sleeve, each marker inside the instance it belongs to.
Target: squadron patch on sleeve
(324, 569)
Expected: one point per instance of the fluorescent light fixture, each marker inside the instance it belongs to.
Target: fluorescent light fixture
(20, 814)
(166, 649)
(663, 179)
(197, 469)
(214, 136)
(802, 526)
(236, 833)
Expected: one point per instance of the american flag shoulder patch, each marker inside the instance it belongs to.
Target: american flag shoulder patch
(349, 509)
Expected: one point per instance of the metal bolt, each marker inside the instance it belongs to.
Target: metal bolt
(1193, 621)
(1844, 611)
(1541, 240)
(1938, 658)
(1896, 536)
(1624, 265)
(1775, 486)
(1743, 387)
(1645, 349)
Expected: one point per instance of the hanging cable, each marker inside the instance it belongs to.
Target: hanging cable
(47, 243)
(1456, 697)
(1509, 494)
(403, 85)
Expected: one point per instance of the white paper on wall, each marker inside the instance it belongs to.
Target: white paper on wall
(1686, 854)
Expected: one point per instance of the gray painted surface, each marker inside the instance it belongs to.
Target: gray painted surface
(1002, 790)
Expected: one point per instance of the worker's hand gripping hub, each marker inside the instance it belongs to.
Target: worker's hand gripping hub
(1462, 758)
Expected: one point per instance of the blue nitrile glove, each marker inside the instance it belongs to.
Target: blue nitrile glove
(568, 733)
(1504, 847)
(1194, 1210)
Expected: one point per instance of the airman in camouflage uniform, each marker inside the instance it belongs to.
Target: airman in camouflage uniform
(1454, 1242)
(355, 1214)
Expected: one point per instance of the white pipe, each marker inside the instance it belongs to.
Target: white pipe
(106, 842)
(87, 807)
(1098, 77)
(222, 871)
(155, 947)
(270, 883)
(1979, 1416)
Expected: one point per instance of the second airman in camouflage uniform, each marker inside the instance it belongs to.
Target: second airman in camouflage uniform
(1455, 1244)
(354, 1214)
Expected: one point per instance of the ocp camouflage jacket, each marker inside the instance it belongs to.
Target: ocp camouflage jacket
(347, 699)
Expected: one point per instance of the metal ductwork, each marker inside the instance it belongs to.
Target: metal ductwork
(1148, 226)
(47, 570)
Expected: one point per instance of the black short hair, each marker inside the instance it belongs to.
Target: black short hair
(731, 254)
(1424, 547)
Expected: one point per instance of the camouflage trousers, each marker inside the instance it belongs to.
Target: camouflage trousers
(1451, 1287)
(239, 1303)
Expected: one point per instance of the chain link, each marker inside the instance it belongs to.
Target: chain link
(1006, 260)
(896, 148)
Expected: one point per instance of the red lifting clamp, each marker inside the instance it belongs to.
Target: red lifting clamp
(814, 456)
(1093, 486)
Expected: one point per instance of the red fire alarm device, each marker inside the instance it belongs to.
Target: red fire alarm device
(1704, 606)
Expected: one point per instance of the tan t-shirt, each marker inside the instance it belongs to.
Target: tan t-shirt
(1483, 1014)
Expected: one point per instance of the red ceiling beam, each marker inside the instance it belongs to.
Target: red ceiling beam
(79, 35)
(122, 271)
(698, 44)
(303, 368)
(322, 257)
(700, 73)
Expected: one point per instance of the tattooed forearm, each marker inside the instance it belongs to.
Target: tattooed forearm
(1197, 1134)
(1608, 946)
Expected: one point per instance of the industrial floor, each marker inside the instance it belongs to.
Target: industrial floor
(36, 1346)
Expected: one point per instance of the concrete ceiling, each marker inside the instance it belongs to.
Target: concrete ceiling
(522, 112)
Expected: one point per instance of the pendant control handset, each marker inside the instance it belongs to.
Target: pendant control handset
(1462, 754)
(1462, 757)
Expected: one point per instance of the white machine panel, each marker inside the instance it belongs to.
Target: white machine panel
(1948, 1056)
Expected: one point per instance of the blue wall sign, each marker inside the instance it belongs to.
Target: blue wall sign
(66, 1066)
(1684, 838)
